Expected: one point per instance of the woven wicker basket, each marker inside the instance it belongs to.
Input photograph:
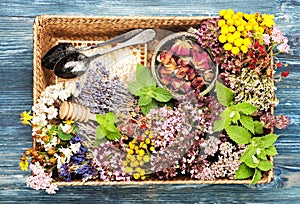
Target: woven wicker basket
(50, 29)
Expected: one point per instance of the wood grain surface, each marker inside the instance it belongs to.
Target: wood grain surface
(16, 18)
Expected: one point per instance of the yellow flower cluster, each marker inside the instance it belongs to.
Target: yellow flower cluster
(236, 26)
(26, 118)
(137, 155)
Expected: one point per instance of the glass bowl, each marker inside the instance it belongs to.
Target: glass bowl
(180, 65)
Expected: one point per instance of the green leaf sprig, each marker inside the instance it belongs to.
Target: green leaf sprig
(106, 129)
(145, 87)
(242, 129)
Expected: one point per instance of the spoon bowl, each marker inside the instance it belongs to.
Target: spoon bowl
(62, 50)
(75, 64)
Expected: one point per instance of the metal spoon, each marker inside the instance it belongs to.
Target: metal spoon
(76, 64)
(57, 52)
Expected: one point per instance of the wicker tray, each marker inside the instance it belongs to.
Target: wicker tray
(49, 30)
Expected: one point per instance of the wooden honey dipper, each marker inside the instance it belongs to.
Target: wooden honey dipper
(75, 112)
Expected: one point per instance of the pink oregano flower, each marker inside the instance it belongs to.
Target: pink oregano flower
(281, 41)
(40, 179)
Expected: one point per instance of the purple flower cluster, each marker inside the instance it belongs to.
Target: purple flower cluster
(211, 159)
(108, 162)
(207, 36)
(103, 93)
(166, 125)
(180, 131)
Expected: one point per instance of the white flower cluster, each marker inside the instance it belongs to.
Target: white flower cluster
(45, 110)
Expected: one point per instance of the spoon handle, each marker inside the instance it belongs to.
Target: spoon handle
(143, 37)
(117, 39)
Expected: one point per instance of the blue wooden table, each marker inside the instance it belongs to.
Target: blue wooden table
(16, 19)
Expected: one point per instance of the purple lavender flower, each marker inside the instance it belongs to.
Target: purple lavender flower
(103, 93)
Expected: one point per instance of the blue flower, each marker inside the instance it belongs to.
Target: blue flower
(80, 156)
(86, 170)
(64, 172)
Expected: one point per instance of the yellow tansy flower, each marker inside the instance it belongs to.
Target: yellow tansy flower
(136, 176)
(230, 22)
(224, 29)
(268, 20)
(238, 42)
(244, 49)
(222, 12)
(246, 42)
(231, 29)
(227, 46)
(221, 23)
(222, 38)
(235, 50)
(230, 38)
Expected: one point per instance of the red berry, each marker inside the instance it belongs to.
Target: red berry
(256, 44)
(279, 64)
(285, 74)
(144, 127)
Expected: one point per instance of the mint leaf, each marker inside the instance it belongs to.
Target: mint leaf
(147, 108)
(111, 127)
(257, 176)
(258, 127)
(113, 135)
(106, 127)
(271, 151)
(224, 94)
(265, 165)
(110, 117)
(252, 161)
(100, 119)
(134, 87)
(244, 172)
(247, 122)
(144, 100)
(250, 151)
(262, 155)
(238, 134)
(100, 132)
(268, 140)
(246, 108)
(162, 95)
(143, 73)
(223, 122)
(235, 116)
(145, 91)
